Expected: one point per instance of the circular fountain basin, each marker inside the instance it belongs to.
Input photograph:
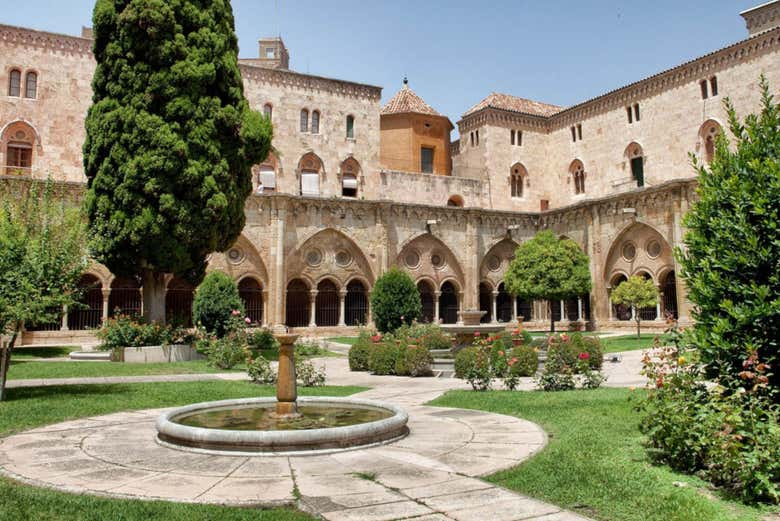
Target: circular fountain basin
(248, 426)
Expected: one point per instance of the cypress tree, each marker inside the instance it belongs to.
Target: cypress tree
(170, 140)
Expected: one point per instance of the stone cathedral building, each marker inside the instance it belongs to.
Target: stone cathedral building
(357, 187)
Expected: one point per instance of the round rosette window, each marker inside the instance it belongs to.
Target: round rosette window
(629, 251)
(314, 257)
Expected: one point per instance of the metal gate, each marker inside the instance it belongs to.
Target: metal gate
(426, 299)
(525, 308)
(298, 308)
(669, 289)
(327, 310)
(485, 303)
(178, 302)
(125, 297)
(448, 303)
(356, 304)
(89, 314)
(504, 303)
(251, 294)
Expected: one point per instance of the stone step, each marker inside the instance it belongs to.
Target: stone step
(94, 356)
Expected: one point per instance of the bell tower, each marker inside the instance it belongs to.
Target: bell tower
(273, 53)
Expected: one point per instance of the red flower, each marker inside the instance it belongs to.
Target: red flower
(584, 356)
(659, 382)
(376, 338)
(476, 333)
(500, 353)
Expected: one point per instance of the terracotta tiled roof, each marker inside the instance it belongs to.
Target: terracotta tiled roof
(406, 101)
(513, 103)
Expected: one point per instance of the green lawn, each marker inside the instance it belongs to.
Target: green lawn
(631, 342)
(349, 340)
(25, 369)
(595, 463)
(32, 407)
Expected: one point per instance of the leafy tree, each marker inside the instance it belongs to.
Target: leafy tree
(170, 140)
(395, 301)
(548, 268)
(731, 260)
(215, 301)
(42, 256)
(636, 292)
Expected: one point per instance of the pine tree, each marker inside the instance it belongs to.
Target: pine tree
(170, 140)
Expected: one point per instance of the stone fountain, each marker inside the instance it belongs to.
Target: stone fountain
(282, 425)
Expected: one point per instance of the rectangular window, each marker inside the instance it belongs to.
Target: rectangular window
(476, 134)
(519, 138)
(638, 170)
(629, 114)
(512, 139)
(19, 156)
(15, 83)
(349, 186)
(714, 86)
(472, 138)
(636, 111)
(310, 183)
(703, 85)
(267, 179)
(426, 160)
(579, 132)
(544, 205)
(573, 134)
(350, 127)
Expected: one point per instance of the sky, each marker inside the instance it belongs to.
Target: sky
(456, 52)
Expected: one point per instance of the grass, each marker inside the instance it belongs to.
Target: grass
(35, 406)
(349, 340)
(31, 353)
(595, 463)
(26, 369)
(630, 342)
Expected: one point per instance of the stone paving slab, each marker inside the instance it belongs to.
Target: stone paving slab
(431, 475)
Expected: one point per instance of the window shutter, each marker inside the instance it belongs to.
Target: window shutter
(268, 178)
(310, 183)
(638, 170)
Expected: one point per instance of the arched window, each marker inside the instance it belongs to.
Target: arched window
(504, 303)
(708, 134)
(125, 297)
(669, 299)
(448, 303)
(356, 304)
(15, 83)
(310, 167)
(327, 301)
(268, 110)
(178, 302)
(90, 314)
(304, 120)
(19, 138)
(427, 299)
(455, 201)
(298, 307)
(251, 293)
(267, 180)
(31, 85)
(620, 311)
(350, 127)
(637, 162)
(516, 180)
(315, 122)
(577, 171)
(349, 177)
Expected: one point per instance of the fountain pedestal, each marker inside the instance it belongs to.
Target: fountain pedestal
(286, 389)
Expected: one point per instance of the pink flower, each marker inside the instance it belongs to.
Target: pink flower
(584, 356)
(500, 353)
(564, 337)
(476, 333)
(248, 320)
(376, 339)
(235, 313)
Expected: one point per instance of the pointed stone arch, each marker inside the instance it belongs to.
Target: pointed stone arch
(311, 172)
(638, 248)
(240, 261)
(496, 261)
(427, 256)
(708, 133)
(330, 253)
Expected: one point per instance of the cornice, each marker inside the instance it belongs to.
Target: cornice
(45, 40)
(285, 78)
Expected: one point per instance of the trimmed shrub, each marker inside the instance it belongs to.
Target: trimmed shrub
(414, 360)
(526, 361)
(395, 301)
(464, 360)
(429, 336)
(215, 301)
(262, 340)
(223, 353)
(567, 348)
(382, 357)
(359, 353)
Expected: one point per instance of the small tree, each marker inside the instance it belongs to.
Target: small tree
(42, 256)
(731, 263)
(548, 268)
(636, 292)
(395, 301)
(215, 301)
(170, 140)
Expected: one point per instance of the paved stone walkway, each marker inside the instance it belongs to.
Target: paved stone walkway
(431, 475)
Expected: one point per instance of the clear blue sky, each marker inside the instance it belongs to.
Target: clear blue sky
(456, 52)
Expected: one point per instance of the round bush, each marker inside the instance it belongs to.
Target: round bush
(465, 360)
(359, 353)
(430, 336)
(395, 301)
(527, 361)
(382, 358)
(414, 360)
(217, 297)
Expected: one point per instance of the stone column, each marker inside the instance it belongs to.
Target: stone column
(313, 308)
(609, 302)
(436, 312)
(264, 318)
(658, 304)
(514, 309)
(106, 294)
(633, 312)
(277, 264)
(564, 318)
(342, 302)
(494, 304)
(141, 293)
(579, 309)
